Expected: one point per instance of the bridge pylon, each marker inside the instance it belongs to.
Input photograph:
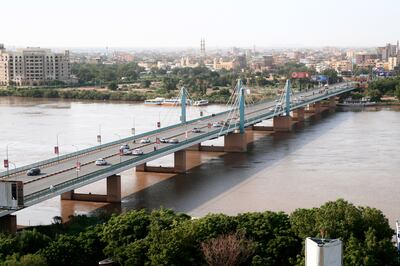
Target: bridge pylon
(240, 89)
(183, 94)
(288, 91)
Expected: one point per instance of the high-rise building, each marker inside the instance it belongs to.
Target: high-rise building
(33, 66)
(390, 50)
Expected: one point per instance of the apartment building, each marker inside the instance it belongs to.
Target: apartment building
(33, 66)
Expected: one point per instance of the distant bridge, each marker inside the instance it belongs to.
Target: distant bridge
(62, 175)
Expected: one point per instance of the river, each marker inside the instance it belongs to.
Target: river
(353, 155)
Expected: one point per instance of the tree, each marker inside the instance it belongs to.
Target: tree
(375, 95)
(30, 241)
(362, 231)
(397, 92)
(124, 229)
(332, 75)
(146, 83)
(26, 260)
(229, 250)
(276, 242)
(169, 84)
(113, 86)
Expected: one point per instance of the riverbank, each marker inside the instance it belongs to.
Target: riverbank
(217, 97)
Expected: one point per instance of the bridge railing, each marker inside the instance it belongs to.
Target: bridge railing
(56, 160)
(33, 197)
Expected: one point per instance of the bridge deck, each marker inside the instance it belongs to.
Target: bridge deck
(61, 176)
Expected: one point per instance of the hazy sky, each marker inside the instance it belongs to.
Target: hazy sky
(179, 23)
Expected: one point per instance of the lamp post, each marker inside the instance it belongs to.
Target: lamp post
(6, 164)
(99, 136)
(57, 148)
(77, 161)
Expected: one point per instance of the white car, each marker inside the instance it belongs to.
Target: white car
(137, 152)
(101, 161)
(124, 147)
(163, 140)
(216, 124)
(173, 141)
(146, 140)
(126, 152)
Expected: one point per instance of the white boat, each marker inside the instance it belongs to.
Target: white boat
(156, 101)
(172, 101)
(175, 102)
(356, 103)
(200, 103)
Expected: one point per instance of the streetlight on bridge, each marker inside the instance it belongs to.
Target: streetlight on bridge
(78, 164)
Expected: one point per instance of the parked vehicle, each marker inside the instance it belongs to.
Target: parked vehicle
(33, 171)
(100, 161)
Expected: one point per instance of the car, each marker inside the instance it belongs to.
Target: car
(216, 124)
(33, 171)
(100, 161)
(272, 109)
(124, 147)
(126, 151)
(137, 152)
(173, 141)
(145, 140)
(196, 130)
(163, 140)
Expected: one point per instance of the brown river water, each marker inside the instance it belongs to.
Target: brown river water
(353, 155)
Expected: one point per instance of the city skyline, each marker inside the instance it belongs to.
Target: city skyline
(179, 24)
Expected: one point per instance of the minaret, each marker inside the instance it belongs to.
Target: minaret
(202, 47)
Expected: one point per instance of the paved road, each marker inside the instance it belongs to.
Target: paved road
(65, 170)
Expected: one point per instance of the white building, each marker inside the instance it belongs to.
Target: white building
(323, 252)
(33, 66)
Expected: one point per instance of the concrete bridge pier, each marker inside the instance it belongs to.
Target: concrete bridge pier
(180, 165)
(113, 194)
(315, 110)
(298, 115)
(282, 123)
(8, 224)
(332, 104)
(235, 142)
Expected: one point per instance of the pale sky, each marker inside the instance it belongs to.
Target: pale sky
(181, 23)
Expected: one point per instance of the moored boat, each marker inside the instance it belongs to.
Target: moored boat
(155, 101)
(200, 103)
(356, 103)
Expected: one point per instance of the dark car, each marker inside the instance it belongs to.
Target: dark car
(33, 171)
